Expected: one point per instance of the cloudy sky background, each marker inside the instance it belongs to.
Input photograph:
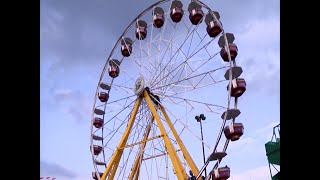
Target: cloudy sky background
(77, 35)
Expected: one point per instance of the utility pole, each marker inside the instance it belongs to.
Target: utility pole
(200, 119)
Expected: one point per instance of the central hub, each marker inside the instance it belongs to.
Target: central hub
(139, 86)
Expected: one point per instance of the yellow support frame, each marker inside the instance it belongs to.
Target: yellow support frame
(114, 162)
(183, 148)
(176, 162)
(136, 166)
(142, 142)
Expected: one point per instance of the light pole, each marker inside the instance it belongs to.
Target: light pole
(199, 119)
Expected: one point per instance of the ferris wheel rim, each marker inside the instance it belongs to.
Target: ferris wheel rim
(112, 52)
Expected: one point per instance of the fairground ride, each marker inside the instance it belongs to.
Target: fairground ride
(273, 153)
(163, 71)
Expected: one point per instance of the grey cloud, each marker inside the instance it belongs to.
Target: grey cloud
(266, 81)
(259, 55)
(269, 85)
(52, 169)
(72, 102)
(261, 78)
(82, 32)
(235, 14)
(79, 32)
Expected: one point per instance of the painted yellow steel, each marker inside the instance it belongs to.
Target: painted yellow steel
(177, 164)
(184, 150)
(136, 165)
(135, 171)
(142, 142)
(113, 164)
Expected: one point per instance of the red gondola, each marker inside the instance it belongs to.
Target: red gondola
(176, 14)
(98, 122)
(233, 52)
(196, 16)
(94, 175)
(222, 173)
(234, 132)
(238, 87)
(103, 96)
(96, 149)
(114, 71)
(213, 29)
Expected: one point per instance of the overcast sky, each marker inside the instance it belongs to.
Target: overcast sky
(76, 37)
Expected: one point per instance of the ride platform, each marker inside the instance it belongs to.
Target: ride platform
(273, 152)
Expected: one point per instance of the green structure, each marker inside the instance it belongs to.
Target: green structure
(273, 153)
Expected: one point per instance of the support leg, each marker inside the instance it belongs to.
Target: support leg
(136, 165)
(177, 165)
(114, 162)
(184, 150)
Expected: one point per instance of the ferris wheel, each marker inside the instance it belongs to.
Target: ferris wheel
(172, 68)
